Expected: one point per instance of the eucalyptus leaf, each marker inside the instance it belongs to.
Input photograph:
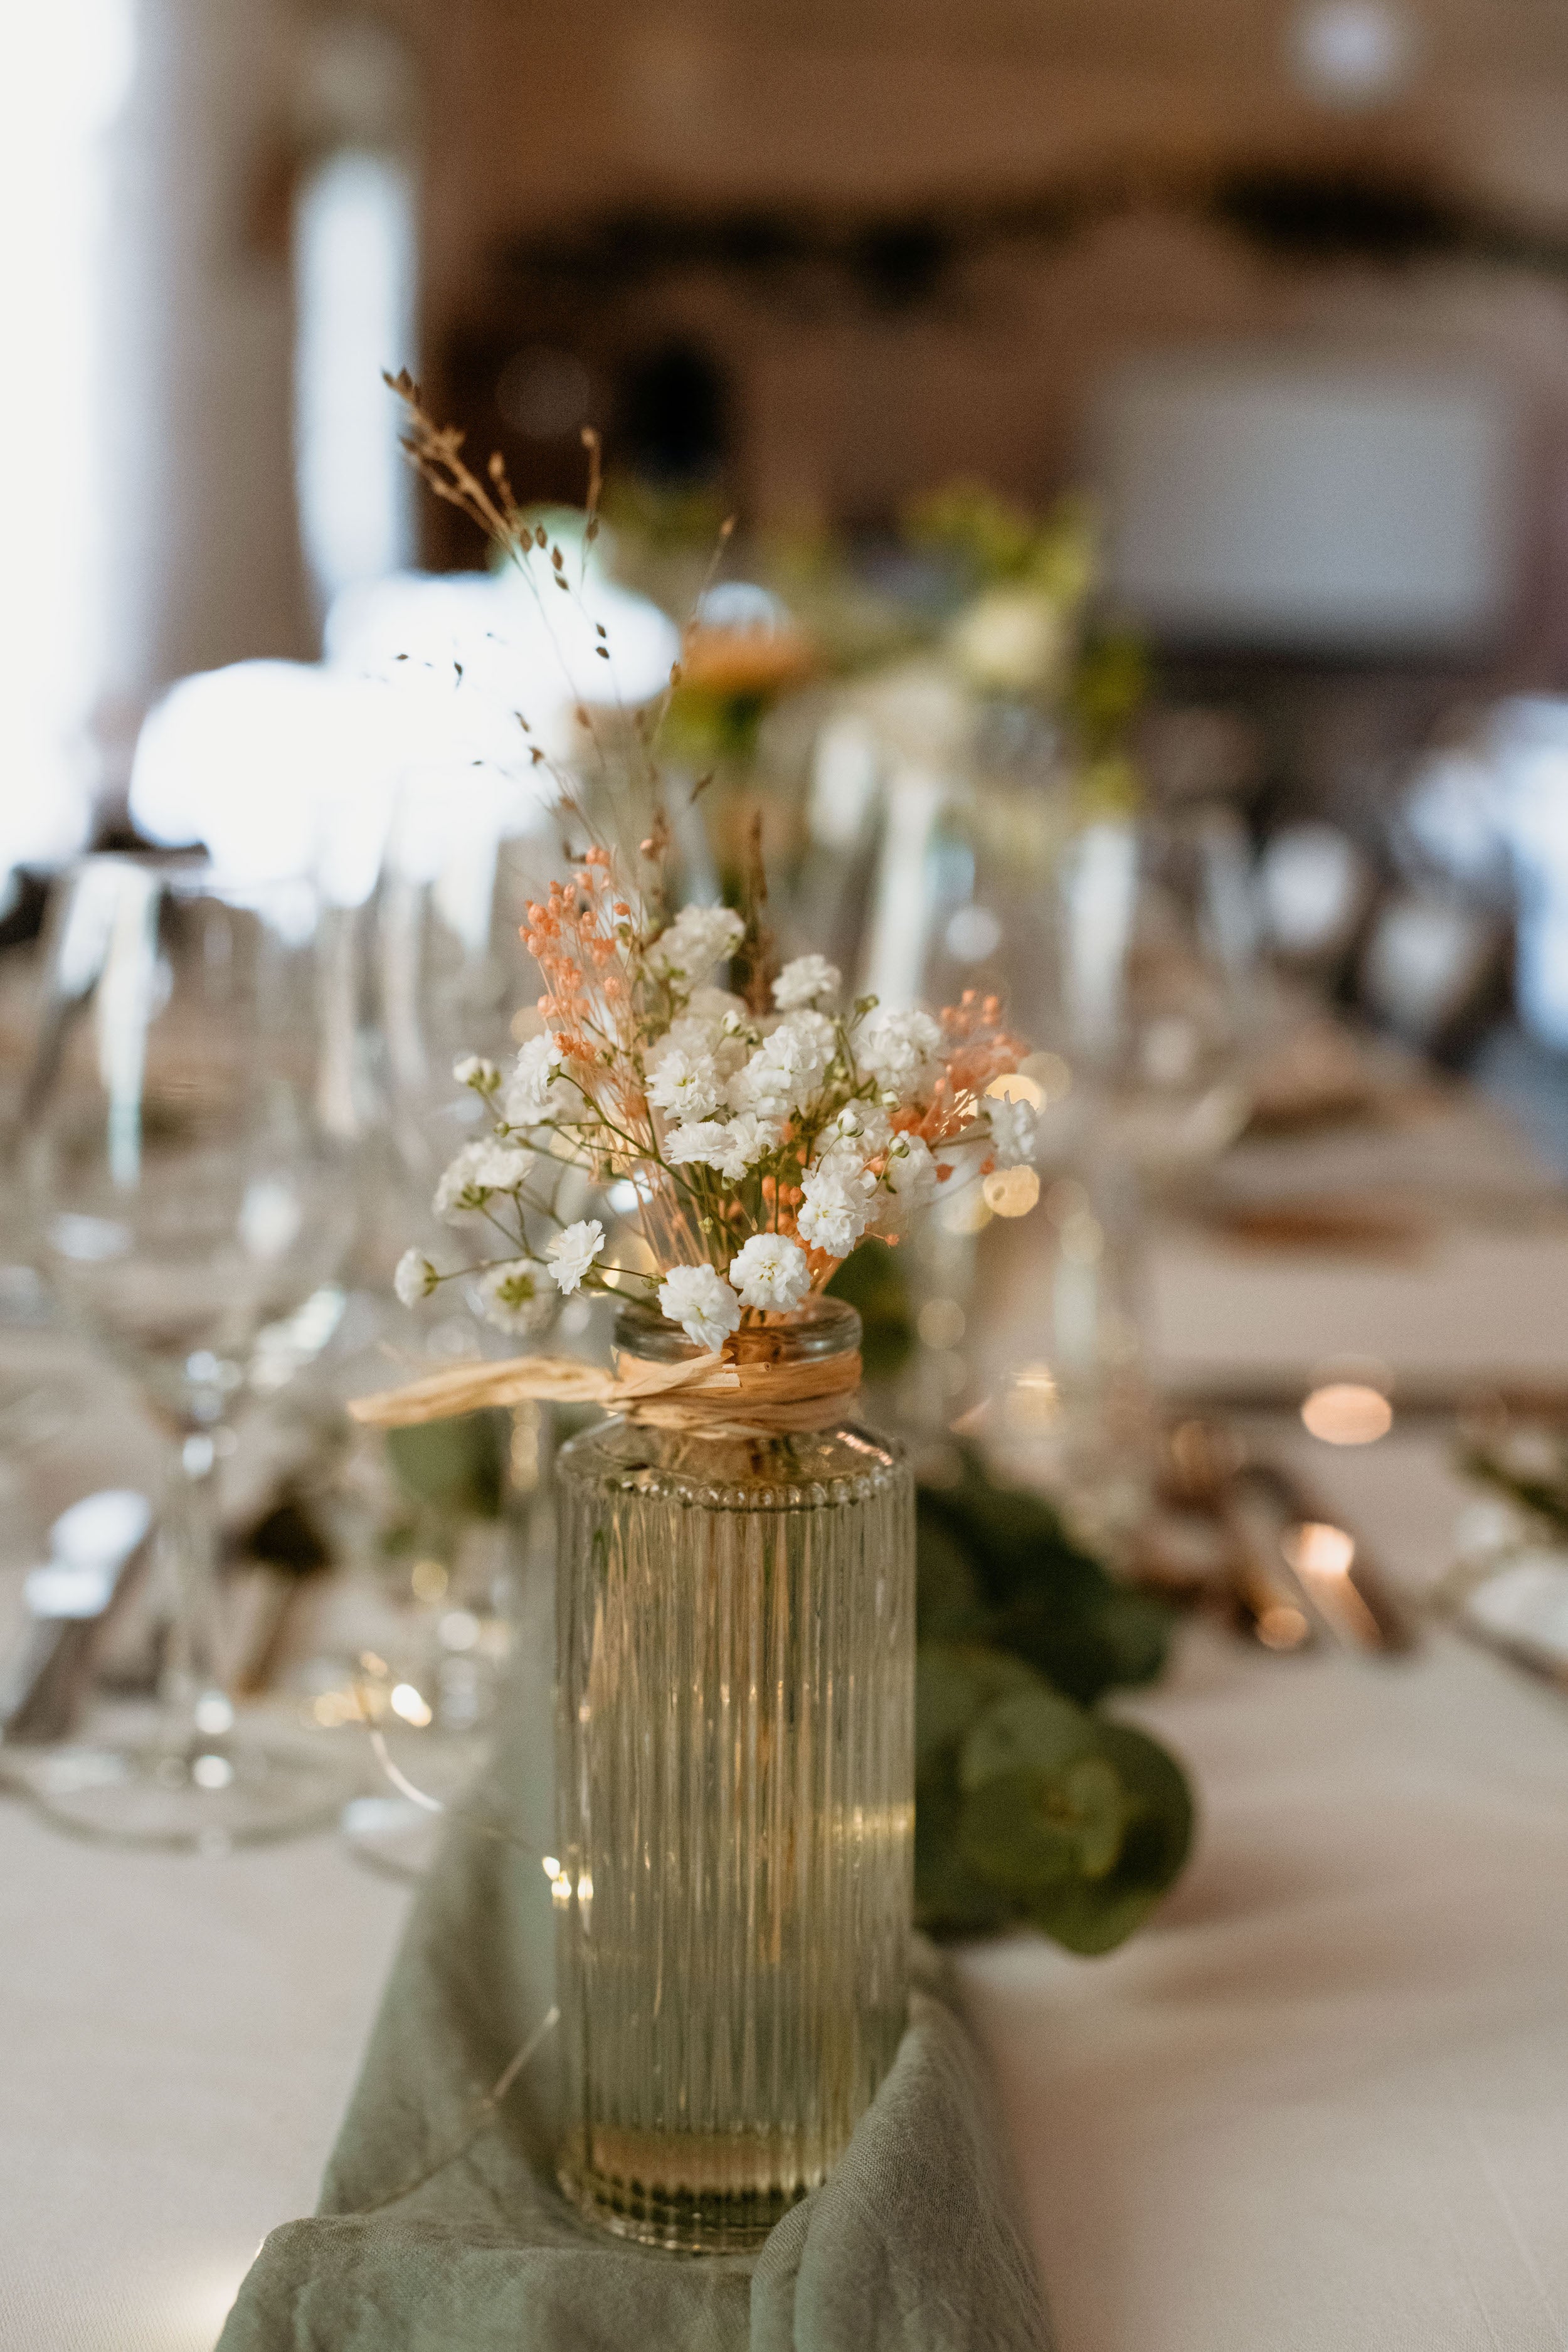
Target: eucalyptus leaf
(1093, 1914)
(1016, 1832)
(1031, 1807)
(1121, 1639)
(950, 1898)
(947, 1700)
(947, 1595)
(1100, 1807)
(1034, 1729)
(1024, 1586)
(952, 1685)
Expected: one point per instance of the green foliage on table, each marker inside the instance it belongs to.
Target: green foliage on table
(998, 1569)
(1030, 1808)
(871, 1280)
(456, 1468)
(989, 540)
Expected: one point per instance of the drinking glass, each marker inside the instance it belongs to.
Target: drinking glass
(190, 1206)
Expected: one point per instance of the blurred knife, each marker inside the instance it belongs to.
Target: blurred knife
(98, 1553)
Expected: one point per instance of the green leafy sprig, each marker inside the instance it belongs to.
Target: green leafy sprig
(1031, 1808)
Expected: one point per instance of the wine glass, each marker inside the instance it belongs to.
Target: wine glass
(191, 1202)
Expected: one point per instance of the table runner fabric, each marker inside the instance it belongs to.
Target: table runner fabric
(913, 2242)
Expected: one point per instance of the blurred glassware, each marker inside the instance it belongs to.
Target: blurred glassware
(464, 658)
(441, 1536)
(1435, 968)
(192, 1200)
(276, 768)
(1160, 992)
(1030, 1344)
(1315, 889)
(466, 852)
(993, 857)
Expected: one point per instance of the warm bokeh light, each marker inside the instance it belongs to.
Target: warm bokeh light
(1011, 1192)
(1282, 1628)
(1346, 1412)
(1014, 1085)
(941, 1322)
(1050, 1072)
(1035, 1400)
(964, 1213)
(1315, 1548)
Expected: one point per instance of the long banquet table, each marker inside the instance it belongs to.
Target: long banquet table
(1321, 2102)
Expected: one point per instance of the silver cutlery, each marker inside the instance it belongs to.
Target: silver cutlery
(98, 1553)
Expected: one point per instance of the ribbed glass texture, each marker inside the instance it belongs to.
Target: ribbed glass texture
(735, 1777)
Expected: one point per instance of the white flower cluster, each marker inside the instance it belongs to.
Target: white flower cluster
(694, 942)
(771, 1142)
(480, 1170)
(538, 1089)
(770, 1273)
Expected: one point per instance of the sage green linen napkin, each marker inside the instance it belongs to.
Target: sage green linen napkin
(440, 2228)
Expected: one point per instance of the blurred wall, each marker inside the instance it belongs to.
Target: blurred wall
(528, 117)
(535, 119)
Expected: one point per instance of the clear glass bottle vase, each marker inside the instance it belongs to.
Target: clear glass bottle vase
(735, 1801)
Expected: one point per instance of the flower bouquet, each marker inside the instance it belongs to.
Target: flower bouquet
(735, 1579)
(760, 1146)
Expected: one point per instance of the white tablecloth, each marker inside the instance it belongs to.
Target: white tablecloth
(1319, 2105)
(177, 2041)
(1323, 2103)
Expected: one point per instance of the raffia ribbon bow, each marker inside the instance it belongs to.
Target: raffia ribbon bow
(702, 1393)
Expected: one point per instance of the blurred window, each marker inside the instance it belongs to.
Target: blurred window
(354, 242)
(67, 74)
(1308, 502)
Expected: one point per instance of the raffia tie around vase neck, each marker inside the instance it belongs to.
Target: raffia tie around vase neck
(700, 1395)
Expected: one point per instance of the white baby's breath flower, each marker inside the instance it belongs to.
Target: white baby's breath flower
(694, 942)
(718, 1005)
(689, 1033)
(897, 1049)
(512, 1298)
(721, 1038)
(473, 1070)
(685, 1083)
(833, 1212)
(502, 1165)
(733, 1147)
(536, 1090)
(480, 1169)
(844, 1164)
(705, 1140)
(1013, 1126)
(414, 1280)
(865, 1125)
(910, 1176)
(771, 1272)
(747, 1139)
(788, 1067)
(572, 1252)
(702, 1302)
(805, 979)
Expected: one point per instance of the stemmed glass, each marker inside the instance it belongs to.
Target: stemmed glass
(191, 1206)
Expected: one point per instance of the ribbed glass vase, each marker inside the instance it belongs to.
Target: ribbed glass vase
(735, 1795)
